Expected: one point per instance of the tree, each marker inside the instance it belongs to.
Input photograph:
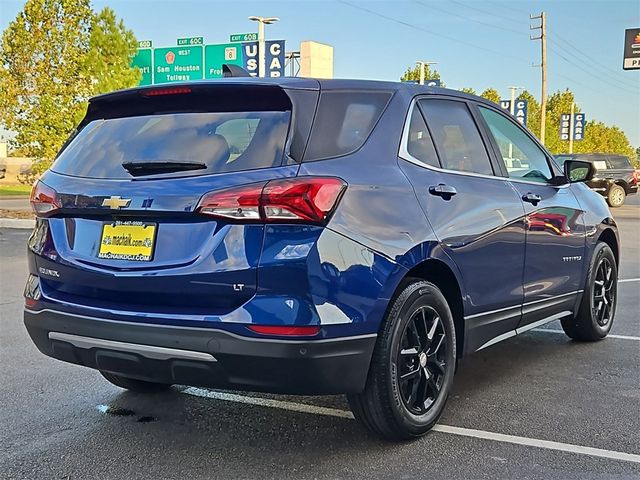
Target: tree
(533, 112)
(468, 90)
(49, 67)
(492, 95)
(414, 74)
(603, 138)
(111, 47)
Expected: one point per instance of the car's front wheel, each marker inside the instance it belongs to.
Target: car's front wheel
(616, 196)
(412, 368)
(139, 386)
(598, 306)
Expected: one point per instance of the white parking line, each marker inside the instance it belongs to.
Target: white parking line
(620, 337)
(465, 432)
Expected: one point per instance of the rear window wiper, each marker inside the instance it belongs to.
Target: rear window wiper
(156, 168)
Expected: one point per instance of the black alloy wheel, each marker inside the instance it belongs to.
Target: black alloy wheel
(421, 360)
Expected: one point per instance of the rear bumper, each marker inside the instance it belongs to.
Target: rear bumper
(203, 356)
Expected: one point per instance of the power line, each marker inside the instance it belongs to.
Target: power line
(492, 14)
(591, 61)
(506, 5)
(620, 85)
(430, 32)
(499, 27)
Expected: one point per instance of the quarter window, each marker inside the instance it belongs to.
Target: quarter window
(522, 158)
(456, 136)
(344, 121)
(419, 143)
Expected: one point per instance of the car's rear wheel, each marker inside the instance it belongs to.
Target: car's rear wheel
(139, 386)
(616, 196)
(598, 306)
(412, 368)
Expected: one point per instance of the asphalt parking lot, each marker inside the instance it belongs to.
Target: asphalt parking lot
(536, 406)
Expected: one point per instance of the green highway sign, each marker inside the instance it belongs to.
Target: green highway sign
(177, 64)
(145, 44)
(183, 42)
(142, 60)
(216, 55)
(243, 37)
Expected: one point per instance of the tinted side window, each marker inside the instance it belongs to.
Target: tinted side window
(619, 162)
(419, 143)
(522, 157)
(343, 122)
(456, 136)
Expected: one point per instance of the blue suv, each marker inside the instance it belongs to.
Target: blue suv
(308, 236)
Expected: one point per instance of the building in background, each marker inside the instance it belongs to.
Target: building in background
(316, 60)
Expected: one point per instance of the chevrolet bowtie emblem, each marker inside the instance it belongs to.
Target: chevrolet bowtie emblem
(116, 202)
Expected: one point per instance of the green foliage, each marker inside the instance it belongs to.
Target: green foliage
(492, 95)
(414, 74)
(111, 47)
(53, 57)
(468, 90)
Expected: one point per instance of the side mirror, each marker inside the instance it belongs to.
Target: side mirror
(578, 171)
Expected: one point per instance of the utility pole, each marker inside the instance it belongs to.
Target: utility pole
(422, 64)
(571, 126)
(262, 21)
(543, 66)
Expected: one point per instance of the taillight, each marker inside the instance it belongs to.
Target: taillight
(44, 199)
(636, 176)
(284, 330)
(295, 200)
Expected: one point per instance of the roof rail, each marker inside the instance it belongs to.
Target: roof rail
(229, 70)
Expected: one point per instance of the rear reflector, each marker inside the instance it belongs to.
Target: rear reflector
(44, 199)
(155, 92)
(284, 331)
(289, 200)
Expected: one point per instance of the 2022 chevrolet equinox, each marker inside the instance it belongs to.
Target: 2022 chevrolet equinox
(308, 236)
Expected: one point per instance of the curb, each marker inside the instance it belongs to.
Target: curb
(17, 223)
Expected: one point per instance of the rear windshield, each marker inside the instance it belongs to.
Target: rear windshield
(222, 142)
(344, 121)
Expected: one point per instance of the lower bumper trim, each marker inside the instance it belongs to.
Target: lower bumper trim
(148, 351)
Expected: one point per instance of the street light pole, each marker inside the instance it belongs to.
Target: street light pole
(422, 64)
(262, 21)
(512, 110)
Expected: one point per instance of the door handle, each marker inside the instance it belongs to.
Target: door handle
(532, 198)
(442, 190)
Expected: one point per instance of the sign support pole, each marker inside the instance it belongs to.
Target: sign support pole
(571, 127)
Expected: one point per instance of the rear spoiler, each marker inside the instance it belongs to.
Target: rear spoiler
(232, 71)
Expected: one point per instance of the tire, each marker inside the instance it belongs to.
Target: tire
(418, 324)
(616, 196)
(138, 386)
(598, 305)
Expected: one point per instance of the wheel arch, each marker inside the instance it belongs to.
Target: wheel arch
(443, 277)
(609, 237)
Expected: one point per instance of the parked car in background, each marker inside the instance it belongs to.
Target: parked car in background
(615, 177)
(307, 236)
(3, 169)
